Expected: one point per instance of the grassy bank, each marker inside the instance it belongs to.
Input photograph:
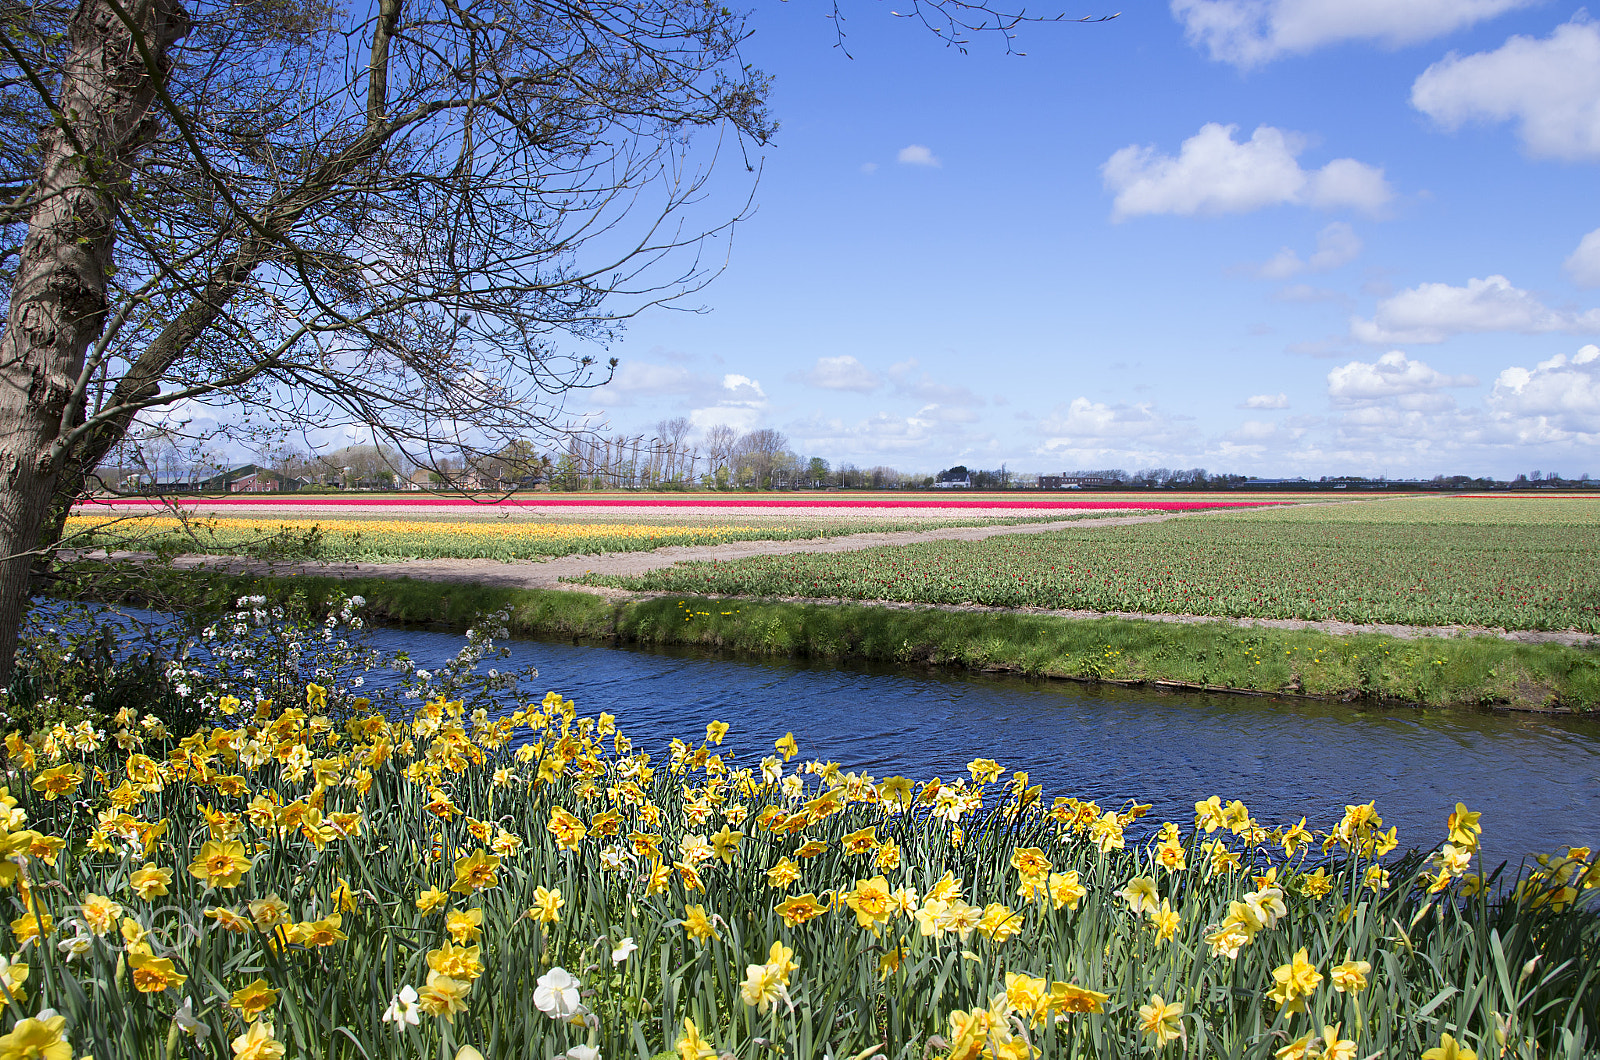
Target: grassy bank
(1436, 671)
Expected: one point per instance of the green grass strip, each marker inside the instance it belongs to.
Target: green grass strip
(1462, 671)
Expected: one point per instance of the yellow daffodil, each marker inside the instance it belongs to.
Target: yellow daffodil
(151, 974)
(253, 999)
(697, 924)
(477, 872)
(149, 882)
(37, 1038)
(1449, 1049)
(464, 925)
(220, 864)
(1160, 1020)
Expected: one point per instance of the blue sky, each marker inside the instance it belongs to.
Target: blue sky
(1274, 237)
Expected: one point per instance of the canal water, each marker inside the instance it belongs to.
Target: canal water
(1536, 778)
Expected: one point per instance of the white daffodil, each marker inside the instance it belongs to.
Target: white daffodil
(556, 994)
(403, 1011)
(186, 1022)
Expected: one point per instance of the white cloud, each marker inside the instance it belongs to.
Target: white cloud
(1346, 182)
(1394, 379)
(1265, 401)
(1282, 265)
(841, 373)
(930, 430)
(1304, 292)
(924, 387)
(917, 155)
(1250, 32)
(1556, 401)
(1337, 244)
(1214, 174)
(1549, 86)
(1583, 265)
(1091, 431)
(644, 377)
(1432, 312)
(740, 405)
(869, 168)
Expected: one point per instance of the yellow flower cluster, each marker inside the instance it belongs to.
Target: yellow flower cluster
(459, 864)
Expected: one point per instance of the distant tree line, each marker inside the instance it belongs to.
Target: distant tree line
(669, 458)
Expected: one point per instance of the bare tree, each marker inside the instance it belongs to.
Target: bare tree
(673, 434)
(719, 442)
(758, 454)
(395, 241)
(400, 214)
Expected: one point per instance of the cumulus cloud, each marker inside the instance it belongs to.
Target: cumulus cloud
(1397, 380)
(1250, 32)
(740, 404)
(1215, 174)
(917, 155)
(1549, 86)
(1583, 265)
(1432, 312)
(840, 373)
(1337, 245)
(1265, 401)
(1557, 400)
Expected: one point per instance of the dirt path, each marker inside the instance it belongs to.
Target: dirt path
(547, 574)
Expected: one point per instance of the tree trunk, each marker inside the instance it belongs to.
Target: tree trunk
(58, 300)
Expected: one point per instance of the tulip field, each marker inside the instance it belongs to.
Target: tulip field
(390, 538)
(307, 872)
(1495, 562)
